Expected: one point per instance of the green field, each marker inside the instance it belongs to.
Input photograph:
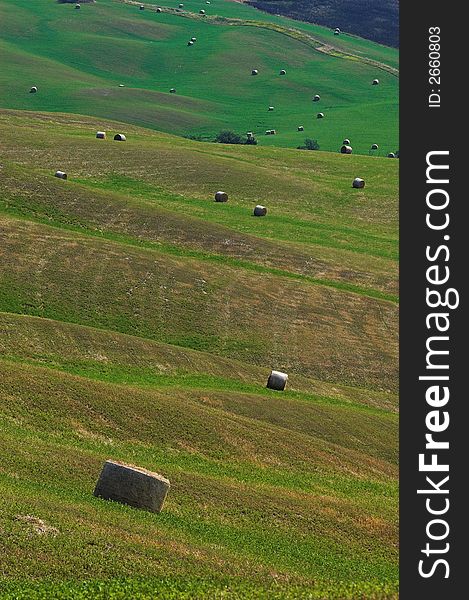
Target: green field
(139, 319)
(77, 59)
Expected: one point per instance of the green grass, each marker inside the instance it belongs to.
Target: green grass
(139, 321)
(82, 56)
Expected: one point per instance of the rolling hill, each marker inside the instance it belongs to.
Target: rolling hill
(377, 20)
(139, 319)
(78, 59)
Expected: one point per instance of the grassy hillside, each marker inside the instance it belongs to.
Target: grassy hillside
(78, 59)
(139, 321)
(378, 20)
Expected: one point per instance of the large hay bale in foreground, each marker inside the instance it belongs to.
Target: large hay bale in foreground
(346, 149)
(277, 381)
(61, 174)
(221, 197)
(132, 485)
(260, 211)
(120, 137)
(358, 183)
(101, 135)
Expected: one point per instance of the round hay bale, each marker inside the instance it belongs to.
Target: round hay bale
(277, 381)
(254, 72)
(317, 98)
(158, 10)
(346, 142)
(77, 6)
(193, 39)
(337, 29)
(207, 2)
(283, 72)
(221, 197)
(346, 149)
(172, 91)
(181, 6)
(141, 7)
(60, 174)
(273, 132)
(301, 128)
(121, 85)
(33, 90)
(201, 11)
(320, 115)
(250, 134)
(260, 211)
(375, 82)
(336, 32)
(358, 183)
(120, 137)
(374, 146)
(190, 43)
(131, 485)
(101, 135)
(268, 132)
(391, 155)
(271, 108)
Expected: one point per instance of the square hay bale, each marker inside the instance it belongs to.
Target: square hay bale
(132, 485)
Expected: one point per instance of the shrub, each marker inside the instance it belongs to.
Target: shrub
(309, 145)
(229, 137)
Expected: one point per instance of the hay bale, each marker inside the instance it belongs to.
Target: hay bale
(60, 174)
(277, 381)
(120, 137)
(346, 149)
(346, 142)
(221, 197)
(77, 6)
(358, 183)
(375, 82)
(391, 155)
(132, 485)
(101, 135)
(201, 11)
(172, 91)
(193, 39)
(33, 90)
(254, 72)
(337, 29)
(273, 132)
(374, 146)
(267, 132)
(260, 211)
(158, 10)
(336, 32)
(121, 85)
(316, 98)
(181, 6)
(190, 43)
(320, 115)
(283, 72)
(141, 7)
(301, 128)
(271, 108)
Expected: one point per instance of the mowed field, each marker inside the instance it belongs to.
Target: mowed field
(139, 321)
(79, 58)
